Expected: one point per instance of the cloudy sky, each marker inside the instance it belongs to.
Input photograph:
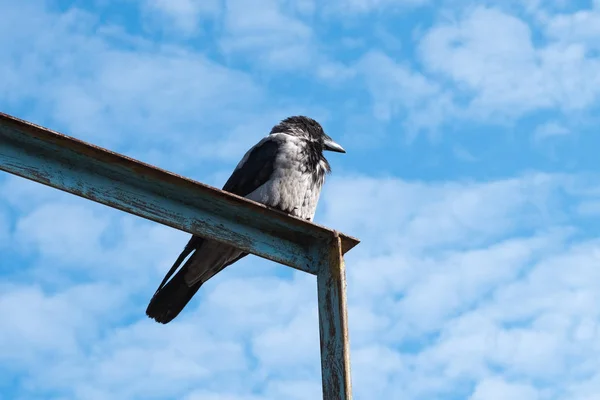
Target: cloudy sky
(471, 178)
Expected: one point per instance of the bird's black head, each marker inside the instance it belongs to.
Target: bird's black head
(308, 129)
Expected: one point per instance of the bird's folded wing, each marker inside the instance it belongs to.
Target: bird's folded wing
(255, 169)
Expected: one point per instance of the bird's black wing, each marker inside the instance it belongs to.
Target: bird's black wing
(173, 295)
(256, 169)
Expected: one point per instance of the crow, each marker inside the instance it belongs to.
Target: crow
(285, 170)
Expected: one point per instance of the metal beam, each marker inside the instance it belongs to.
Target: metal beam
(68, 164)
(333, 323)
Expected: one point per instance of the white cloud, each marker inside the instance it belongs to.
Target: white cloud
(72, 240)
(364, 6)
(550, 129)
(538, 328)
(184, 15)
(582, 26)
(491, 57)
(219, 395)
(38, 327)
(426, 216)
(483, 65)
(397, 89)
(5, 227)
(302, 7)
(497, 389)
(267, 34)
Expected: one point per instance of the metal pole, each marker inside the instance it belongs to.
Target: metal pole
(333, 324)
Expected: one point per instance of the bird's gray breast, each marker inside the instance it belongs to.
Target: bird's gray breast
(294, 186)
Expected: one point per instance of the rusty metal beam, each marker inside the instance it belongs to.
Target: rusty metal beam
(333, 323)
(68, 164)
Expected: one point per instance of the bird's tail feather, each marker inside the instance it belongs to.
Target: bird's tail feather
(173, 295)
(169, 300)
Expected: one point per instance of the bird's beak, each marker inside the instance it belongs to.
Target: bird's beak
(330, 145)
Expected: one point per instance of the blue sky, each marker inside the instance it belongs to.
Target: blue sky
(471, 177)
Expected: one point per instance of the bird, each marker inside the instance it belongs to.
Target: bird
(285, 170)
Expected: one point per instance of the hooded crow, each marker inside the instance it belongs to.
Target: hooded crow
(286, 171)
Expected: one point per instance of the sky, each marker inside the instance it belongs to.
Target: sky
(470, 177)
